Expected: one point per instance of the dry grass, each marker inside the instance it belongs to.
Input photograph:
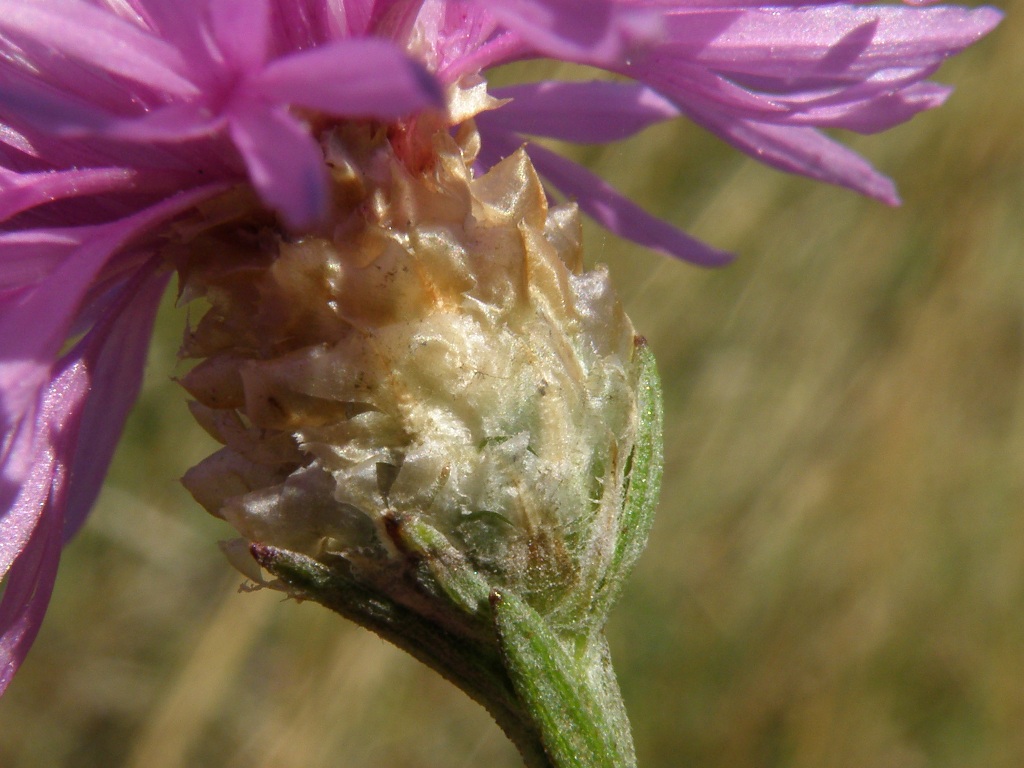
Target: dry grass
(837, 574)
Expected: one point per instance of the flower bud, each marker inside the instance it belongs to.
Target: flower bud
(437, 356)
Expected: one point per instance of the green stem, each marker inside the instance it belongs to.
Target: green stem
(575, 702)
(561, 710)
(474, 667)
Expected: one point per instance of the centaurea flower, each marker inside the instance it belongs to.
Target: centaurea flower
(122, 121)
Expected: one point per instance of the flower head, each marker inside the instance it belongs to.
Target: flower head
(122, 122)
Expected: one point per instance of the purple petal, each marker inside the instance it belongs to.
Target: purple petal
(590, 112)
(27, 473)
(30, 579)
(285, 165)
(803, 151)
(42, 430)
(484, 49)
(875, 114)
(299, 24)
(34, 323)
(826, 41)
(354, 78)
(832, 66)
(173, 123)
(28, 589)
(114, 354)
(101, 39)
(19, 192)
(186, 32)
(459, 34)
(44, 108)
(610, 209)
(40, 106)
(564, 29)
(356, 15)
(30, 255)
(242, 31)
(56, 142)
(33, 329)
(687, 84)
(54, 419)
(871, 104)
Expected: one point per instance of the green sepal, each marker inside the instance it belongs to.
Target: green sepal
(448, 566)
(574, 725)
(646, 465)
(643, 480)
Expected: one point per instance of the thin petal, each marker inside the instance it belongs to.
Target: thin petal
(28, 589)
(589, 112)
(166, 21)
(63, 139)
(55, 419)
(356, 78)
(355, 15)
(29, 103)
(836, 66)
(41, 107)
(19, 192)
(28, 466)
(803, 151)
(875, 114)
(831, 40)
(33, 329)
(562, 29)
(285, 165)
(114, 354)
(30, 579)
(173, 123)
(30, 255)
(871, 104)
(102, 40)
(34, 323)
(609, 208)
(242, 31)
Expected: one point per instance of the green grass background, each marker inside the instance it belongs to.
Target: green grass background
(836, 575)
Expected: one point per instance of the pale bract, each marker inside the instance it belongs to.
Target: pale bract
(443, 356)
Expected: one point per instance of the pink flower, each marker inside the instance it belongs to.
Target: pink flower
(119, 116)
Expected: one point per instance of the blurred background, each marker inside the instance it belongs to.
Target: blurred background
(836, 575)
